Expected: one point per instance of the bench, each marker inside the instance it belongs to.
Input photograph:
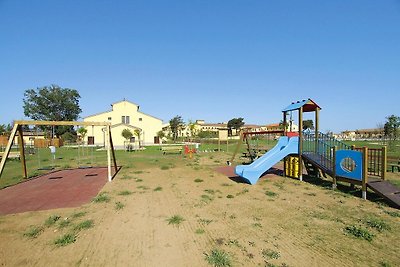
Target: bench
(12, 155)
(171, 149)
(395, 166)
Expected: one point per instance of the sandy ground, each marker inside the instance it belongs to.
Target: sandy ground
(277, 222)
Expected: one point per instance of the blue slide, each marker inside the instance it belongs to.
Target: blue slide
(285, 146)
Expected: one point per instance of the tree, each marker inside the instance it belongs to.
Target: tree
(160, 135)
(82, 132)
(5, 129)
(176, 124)
(127, 134)
(52, 103)
(235, 123)
(391, 129)
(138, 133)
(192, 128)
(308, 124)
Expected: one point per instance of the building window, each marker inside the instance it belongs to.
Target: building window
(109, 118)
(140, 119)
(125, 119)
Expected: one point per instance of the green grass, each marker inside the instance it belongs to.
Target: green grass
(230, 196)
(64, 223)
(51, 220)
(377, 224)
(158, 188)
(84, 225)
(359, 232)
(218, 258)
(175, 220)
(102, 197)
(200, 231)
(119, 205)
(125, 193)
(270, 254)
(65, 240)
(78, 214)
(271, 194)
(198, 180)
(33, 232)
(393, 213)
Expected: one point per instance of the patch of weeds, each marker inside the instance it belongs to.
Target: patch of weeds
(377, 224)
(137, 172)
(158, 188)
(126, 177)
(233, 216)
(125, 193)
(143, 187)
(257, 225)
(138, 180)
(359, 232)
(310, 194)
(279, 185)
(65, 240)
(33, 232)
(51, 220)
(244, 191)
(198, 180)
(84, 225)
(218, 258)
(384, 264)
(205, 221)
(119, 205)
(270, 254)
(226, 184)
(175, 220)
(217, 161)
(209, 191)
(220, 241)
(234, 242)
(211, 157)
(395, 214)
(64, 223)
(319, 215)
(271, 194)
(196, 168)
(102, 197)
(78, 214)
(164, 167)
(230, 196)
(206, 198)
(200, 231)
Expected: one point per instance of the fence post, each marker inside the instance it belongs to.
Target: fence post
(334, 185)
(384, 162)
(365, 172)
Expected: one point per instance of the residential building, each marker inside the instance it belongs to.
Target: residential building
(124, 115)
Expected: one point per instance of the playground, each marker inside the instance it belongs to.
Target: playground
(179, 209)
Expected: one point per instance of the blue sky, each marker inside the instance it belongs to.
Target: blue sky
(211, 60)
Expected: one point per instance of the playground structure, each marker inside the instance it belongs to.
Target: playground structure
(323, 155)
(17, 131)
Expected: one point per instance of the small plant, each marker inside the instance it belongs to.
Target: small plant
(200, 231)
(384, 264)
(125, 193)
(158, 188)
(198, 180)
(393, 213)
(33, 232)
(258, 225)
(270, 193)
(138, 180)
(119, 205)
(164, 167)
(218, 258)
(230, 196)
(206, 198)
(226, 184)
(51, 220)
(209, 191)
(359, 232)
(126, 177)
(205, 221)
(65, 240)
(84, 225)
(142, 187)
(175, 220)
(137, 172)
(377, 224)
(78, 214)
(102, 197)
(270, 254)
(64, 223)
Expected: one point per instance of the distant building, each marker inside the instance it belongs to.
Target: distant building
(124, 115)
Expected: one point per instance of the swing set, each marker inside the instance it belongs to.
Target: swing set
(18, 131)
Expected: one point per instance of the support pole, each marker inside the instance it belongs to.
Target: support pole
(109, 154)
(384, 163)
(8, 148)
(316, 129)
(334, 184)
(22, 151)
(364, 172)
(300, 143)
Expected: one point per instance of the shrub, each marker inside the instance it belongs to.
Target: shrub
(218, 258)
(65, 240)
(359, 232)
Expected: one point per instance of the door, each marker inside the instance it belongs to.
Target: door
(90, 140)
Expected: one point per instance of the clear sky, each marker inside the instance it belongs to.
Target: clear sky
(211, 60)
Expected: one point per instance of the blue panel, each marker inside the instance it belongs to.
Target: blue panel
(349, 155)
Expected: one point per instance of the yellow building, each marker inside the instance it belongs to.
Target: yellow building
(124, 115)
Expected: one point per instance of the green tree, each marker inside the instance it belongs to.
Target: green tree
(52, 103)
(391, 129)
(160, 135)
(127, 134)
(5, 129)
(176, 124)
(235, 123)
(192, 128)
(308, 124)
(82, 131)
(138, 133)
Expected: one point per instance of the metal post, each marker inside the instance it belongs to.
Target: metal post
(334, 185)
(109, 154)
(365, 172)
(384, 162)
(300, 143)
